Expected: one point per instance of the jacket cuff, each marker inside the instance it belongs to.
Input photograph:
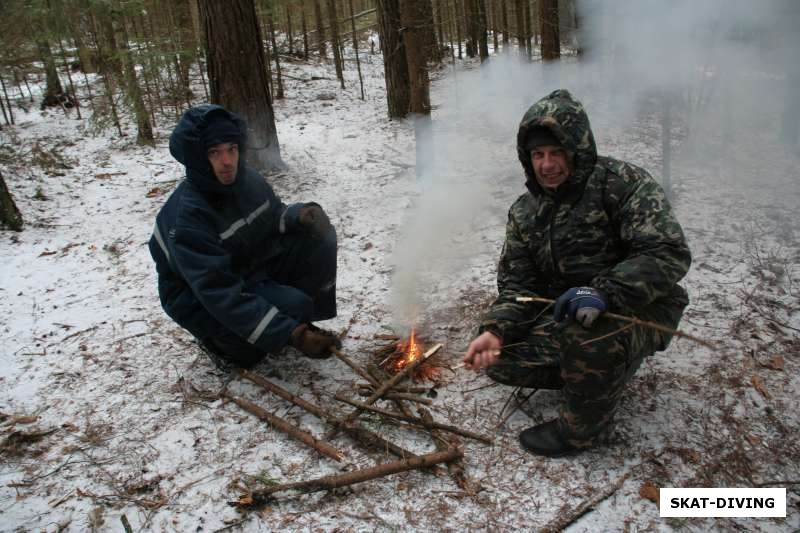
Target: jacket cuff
(290, 218)
(493, 328)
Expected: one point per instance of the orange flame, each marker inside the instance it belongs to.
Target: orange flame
(411, 349)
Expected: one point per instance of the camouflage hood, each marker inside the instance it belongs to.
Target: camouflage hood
(565, 117)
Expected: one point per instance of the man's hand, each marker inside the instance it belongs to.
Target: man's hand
(483, 351)
(584, 304)
(315, 219)
(314, 342)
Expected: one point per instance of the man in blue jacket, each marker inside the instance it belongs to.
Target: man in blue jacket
(240, 270)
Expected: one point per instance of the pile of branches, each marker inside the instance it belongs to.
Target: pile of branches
(395, 389)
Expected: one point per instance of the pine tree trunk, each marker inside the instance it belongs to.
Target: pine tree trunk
(320, 29)
(53, 82)
(412, 16)
(519, 9)
(528, 29)
(304, 27)
(432, 51)
(483, 38)
(279, 79)
(237, 74)
(144, 129)
(289, 36)
(395, 66)
(10, 216)
(548, 27)
(471, 19)
(355, 47)
(504, 19)
(457, 17)
(335, 41)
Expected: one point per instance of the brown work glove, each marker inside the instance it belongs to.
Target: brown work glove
(314, 342)
(315, 219)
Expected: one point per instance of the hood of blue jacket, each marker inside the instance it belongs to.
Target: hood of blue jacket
(186, 146)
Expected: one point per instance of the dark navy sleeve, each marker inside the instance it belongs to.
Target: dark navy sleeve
(198, 255)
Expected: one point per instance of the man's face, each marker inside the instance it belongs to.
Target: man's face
(550, 165)
(224, 159)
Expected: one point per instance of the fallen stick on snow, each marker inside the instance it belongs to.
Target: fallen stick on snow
(279, 423)
(632, 320)
(429, 424)
(563, 521)
(364, 436)
(350, 478)
(399, 396)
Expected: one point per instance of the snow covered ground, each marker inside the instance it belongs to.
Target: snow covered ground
(104, 409)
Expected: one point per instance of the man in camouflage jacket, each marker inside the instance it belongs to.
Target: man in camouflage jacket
(596, 234)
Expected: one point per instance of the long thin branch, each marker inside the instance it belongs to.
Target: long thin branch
(562, 522)
(360, 371)
(349, 478)
(279, 423)
(363, 435)
(399, 396)
(397, 378)
(633, 320)
(416, 420)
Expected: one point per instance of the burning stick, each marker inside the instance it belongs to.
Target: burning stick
(386, 387)
(279, 423)
(350, 478)
(632, 320)
(416, 420)
(362, 435)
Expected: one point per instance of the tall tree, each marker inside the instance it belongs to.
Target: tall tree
(482, 25)
(144, 130)
(548, 27)
(519, 16)
(412, 16)
(237, 74)
(395, 66)
(53, 89)
(10, 216)
(320, 28)
(335, 41)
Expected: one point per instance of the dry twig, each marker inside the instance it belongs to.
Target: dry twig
(633, 320)
(349, 478)
(362, 435)
(279, 423)
(564, 520)
(416, 420)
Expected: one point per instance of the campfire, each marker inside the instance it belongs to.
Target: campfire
(396, 356)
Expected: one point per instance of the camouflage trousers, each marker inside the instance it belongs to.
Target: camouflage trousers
(590, 366)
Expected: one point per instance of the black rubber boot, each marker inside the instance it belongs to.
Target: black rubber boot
(546, 439)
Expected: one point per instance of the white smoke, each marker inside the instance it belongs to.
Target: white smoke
(726, 71)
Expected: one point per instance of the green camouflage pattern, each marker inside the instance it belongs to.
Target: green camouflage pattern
(609, 226)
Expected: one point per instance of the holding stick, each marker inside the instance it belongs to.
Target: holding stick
(632, 320)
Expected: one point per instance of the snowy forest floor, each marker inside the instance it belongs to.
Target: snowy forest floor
(101, 411)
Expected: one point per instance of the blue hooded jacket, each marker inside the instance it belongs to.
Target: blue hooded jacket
(210, 239)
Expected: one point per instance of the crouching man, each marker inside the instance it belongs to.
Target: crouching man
(595, 234)
(241, 271)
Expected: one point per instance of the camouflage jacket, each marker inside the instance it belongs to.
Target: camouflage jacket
(609, 226)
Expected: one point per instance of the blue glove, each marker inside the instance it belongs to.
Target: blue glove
(584, 304)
